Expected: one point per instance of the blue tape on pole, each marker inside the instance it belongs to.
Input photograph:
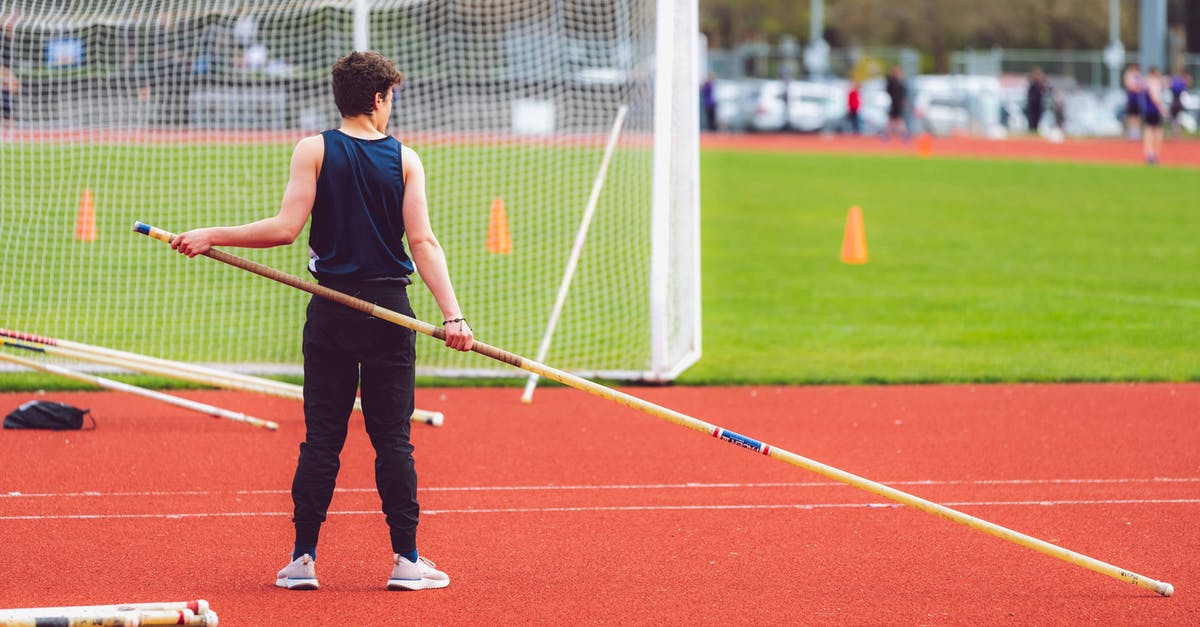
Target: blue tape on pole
(742, 441)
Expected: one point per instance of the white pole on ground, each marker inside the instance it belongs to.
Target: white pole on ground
(215, 412)
(183, 371)
(576, 249)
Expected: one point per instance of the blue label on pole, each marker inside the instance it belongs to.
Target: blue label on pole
(741, 440)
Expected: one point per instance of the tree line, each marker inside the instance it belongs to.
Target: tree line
(939, 27)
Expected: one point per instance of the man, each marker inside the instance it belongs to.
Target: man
(853, 104)
(1153, 113)
(365, 191)
(898, 93)
(708, 101)
(1134, 85)
(1178, 84)
(1035, 98)
(8, 80)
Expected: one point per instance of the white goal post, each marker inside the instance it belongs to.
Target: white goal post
(183, 113)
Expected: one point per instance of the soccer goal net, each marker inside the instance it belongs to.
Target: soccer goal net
(184, 113)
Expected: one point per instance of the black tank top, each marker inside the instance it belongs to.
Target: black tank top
(357, 217)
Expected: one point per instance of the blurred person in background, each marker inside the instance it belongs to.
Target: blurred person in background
(708, 101)
(1133, 84)
(1153, 113)
(898, 92)
(1035, 98)
(853, 104)
(8, 80)
(1179, 84)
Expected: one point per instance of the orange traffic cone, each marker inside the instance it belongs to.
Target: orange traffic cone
(854, 242)
(85, 219)
(925, 145)
(498, 240)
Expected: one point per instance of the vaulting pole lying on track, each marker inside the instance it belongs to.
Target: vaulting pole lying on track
(197, 606)
(684, 420)
(215, 412)
(214, 377)
(134, 618)
(192, 613)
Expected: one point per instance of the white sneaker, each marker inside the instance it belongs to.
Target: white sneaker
(419, 576)
(301, 574)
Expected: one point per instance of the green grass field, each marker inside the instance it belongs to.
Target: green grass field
(979, 271)
(126, 291)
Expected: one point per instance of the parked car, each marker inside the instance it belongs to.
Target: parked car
(946, 104)
(874, 104)
(941, 113)
(1093, 114)
(811, 106)
(1191, 110)
(730, 96)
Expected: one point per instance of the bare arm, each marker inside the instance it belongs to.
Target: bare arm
(283, 227)
(428, 255)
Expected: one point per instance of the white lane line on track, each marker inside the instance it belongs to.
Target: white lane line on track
(647, 486)
(612, 508)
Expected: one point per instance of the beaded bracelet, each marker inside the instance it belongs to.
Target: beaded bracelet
(446, 322)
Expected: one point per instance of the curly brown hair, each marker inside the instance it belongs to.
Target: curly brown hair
(357, 77)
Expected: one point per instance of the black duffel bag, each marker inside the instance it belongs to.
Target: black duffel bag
(47, 415)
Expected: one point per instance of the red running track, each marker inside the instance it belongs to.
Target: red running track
(1176, 152)
(575, 510)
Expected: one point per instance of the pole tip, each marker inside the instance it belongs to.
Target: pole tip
(141, 227)
(438, 419)
(1164, 589)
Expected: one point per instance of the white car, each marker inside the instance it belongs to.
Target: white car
(810, 106)
(941, 113)
(958, 103)
(1093, 114)
(729, 97)
(874, 103)
(1191, 110)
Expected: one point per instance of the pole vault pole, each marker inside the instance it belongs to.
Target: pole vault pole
(183, 371)
(670, 415)
(110, 384)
